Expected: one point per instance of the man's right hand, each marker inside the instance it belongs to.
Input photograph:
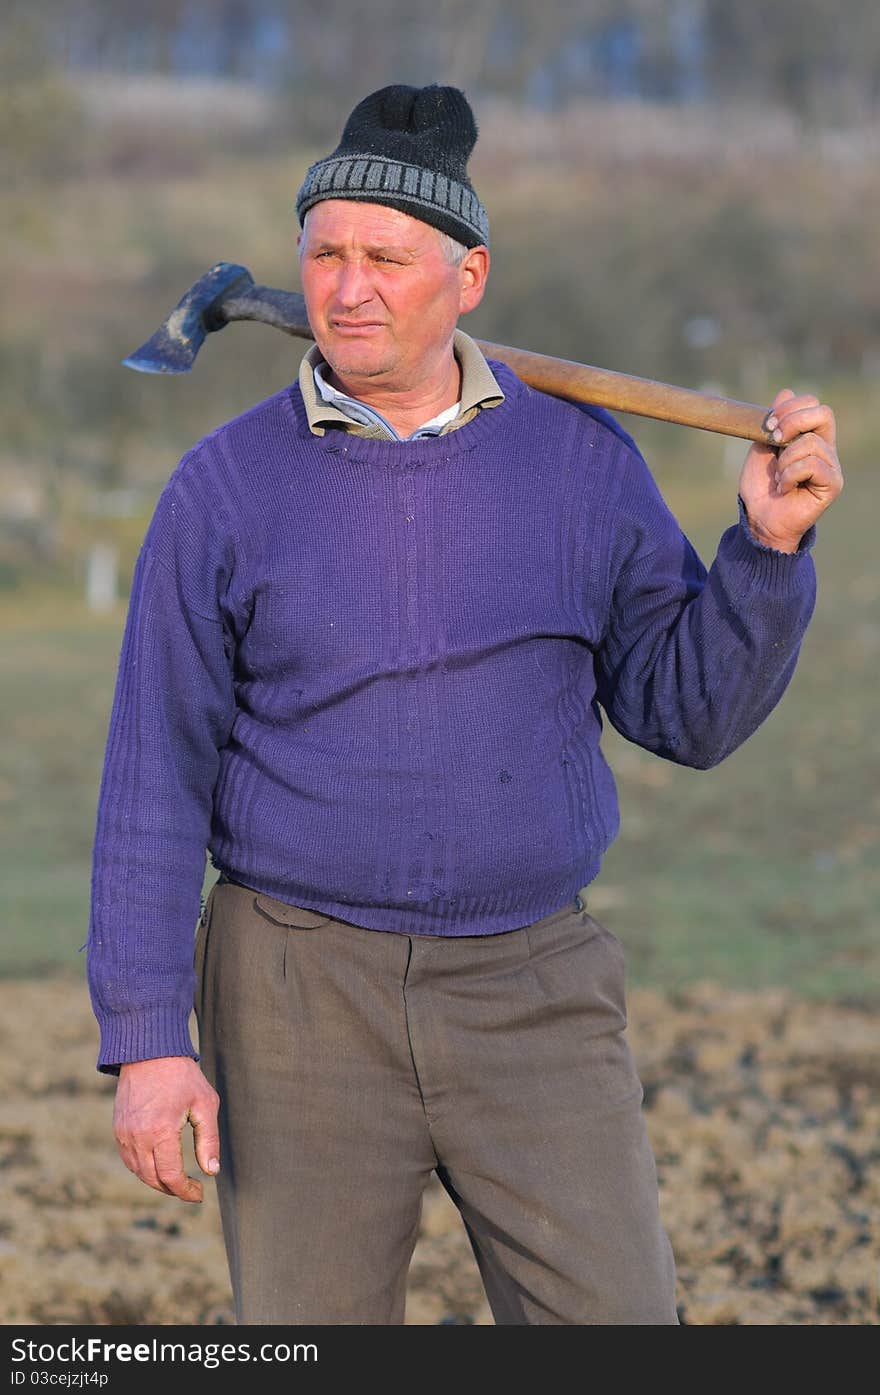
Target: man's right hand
(154, 1100)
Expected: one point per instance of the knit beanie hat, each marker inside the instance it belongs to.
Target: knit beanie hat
(406, 147)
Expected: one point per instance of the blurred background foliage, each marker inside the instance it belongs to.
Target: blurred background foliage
(683, 189)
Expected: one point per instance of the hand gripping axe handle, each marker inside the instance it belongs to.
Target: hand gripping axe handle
(228, 292)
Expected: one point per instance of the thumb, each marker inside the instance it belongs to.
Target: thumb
(207, 1138)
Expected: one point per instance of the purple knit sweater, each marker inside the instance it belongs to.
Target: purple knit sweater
(366, 675)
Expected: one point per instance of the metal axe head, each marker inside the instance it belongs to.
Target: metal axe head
(173, 348)
(227, 292)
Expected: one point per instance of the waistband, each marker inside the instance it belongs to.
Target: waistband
(578, 904)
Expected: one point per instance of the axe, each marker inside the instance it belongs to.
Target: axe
(228, 292)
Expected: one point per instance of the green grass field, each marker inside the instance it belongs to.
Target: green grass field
(763, 871)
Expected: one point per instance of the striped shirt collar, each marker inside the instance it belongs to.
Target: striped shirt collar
(327, 406)
(368, 416)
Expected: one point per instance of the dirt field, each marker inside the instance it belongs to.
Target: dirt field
(764, 1112)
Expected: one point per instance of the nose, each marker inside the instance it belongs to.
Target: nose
(353, 287)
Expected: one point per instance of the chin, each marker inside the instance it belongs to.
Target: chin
(357, 365)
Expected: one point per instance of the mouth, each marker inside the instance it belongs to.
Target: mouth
(356, 326)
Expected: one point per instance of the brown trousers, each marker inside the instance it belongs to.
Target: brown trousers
(351, 1063)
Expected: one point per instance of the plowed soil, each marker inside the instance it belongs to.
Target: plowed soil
(764, 1113)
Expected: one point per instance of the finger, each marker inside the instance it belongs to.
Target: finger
(791, 400)
(150, 1178)
(143, 1165)
(798, 420)
(810, 472)
(203, 1117)
(802, 446)
(772, 418)
(786, 398)
(168, 1158)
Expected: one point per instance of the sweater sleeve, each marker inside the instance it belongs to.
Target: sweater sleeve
(172, 714)
(692, 662)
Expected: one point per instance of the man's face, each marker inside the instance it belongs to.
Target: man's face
(381, 298)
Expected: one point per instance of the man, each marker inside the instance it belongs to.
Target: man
(371, 628)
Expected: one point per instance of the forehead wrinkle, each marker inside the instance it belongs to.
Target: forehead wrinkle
(333, 244)
(409, 241)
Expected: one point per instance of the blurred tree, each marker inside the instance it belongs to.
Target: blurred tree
(805, 55)
(40, 115)
(811, 57)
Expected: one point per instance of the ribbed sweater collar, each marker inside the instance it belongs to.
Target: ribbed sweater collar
(410, 454)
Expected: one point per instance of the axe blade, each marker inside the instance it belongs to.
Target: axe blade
(173, 348)
(227, 292)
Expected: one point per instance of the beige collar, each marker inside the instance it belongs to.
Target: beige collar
(479, 388)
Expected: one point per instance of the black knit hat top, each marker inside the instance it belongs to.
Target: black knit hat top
(406, 147)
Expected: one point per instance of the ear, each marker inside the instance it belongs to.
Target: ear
(473, 272)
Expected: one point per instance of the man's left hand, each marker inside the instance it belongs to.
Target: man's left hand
(787, 485)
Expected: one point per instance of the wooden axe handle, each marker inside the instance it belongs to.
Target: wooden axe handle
(620, 392)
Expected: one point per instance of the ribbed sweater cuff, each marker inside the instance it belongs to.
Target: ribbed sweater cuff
(143, 1036)
(769, 567)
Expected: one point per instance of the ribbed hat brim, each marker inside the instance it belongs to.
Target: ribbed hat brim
(447, 204)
